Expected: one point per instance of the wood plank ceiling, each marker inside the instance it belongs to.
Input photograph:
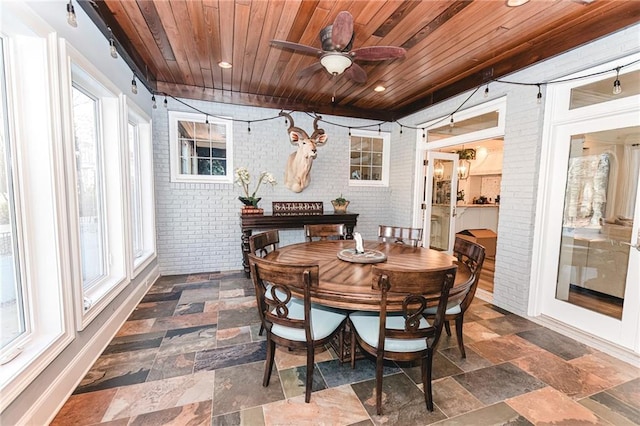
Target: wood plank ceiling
(452, 46)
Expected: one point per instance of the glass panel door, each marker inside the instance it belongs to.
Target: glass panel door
(441, 179)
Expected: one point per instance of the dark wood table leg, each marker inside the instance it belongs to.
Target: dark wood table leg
(246, 233)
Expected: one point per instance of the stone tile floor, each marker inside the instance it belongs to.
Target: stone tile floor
(190, 354)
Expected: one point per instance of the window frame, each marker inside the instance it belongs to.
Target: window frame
(79, 71)
(134, 115)
(174, 152)
(386, 158)
(37, 162)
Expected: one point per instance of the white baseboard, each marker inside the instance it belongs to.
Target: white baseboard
(45, 408)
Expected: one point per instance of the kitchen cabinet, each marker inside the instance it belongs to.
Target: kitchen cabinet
(477, 216)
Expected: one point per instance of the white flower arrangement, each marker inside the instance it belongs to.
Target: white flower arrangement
(243, 179)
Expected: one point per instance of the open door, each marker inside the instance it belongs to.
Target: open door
(439, 205)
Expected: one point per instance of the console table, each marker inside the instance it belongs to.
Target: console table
(250, 222)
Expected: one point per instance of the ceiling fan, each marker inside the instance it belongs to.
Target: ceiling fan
(336, 55)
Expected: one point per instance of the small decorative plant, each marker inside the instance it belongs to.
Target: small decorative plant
(340, 204)
(243, 179)
(461, 195)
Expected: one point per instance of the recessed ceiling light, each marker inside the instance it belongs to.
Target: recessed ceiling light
(380, 89)
(516, 3)
(225, 65)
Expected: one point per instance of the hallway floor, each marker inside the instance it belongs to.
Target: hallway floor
(190, 354)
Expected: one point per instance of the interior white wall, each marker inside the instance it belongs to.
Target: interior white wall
(199, 223)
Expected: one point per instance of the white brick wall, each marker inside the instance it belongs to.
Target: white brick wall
(199, 225)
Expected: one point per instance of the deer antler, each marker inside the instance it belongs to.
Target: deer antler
(292, 128)
(316, 131)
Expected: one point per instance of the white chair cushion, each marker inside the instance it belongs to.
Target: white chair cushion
(366, 324)
(454, 310)
(324, 321)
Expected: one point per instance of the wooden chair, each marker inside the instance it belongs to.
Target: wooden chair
(401, 235)
(292, 325)
(334, 231)
(405, 336)
(262, 244)
(460, 297)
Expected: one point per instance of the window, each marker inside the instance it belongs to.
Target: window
(90, 187)
(369, 158)
(95, 155)
(201, 148)
(11, 303)
(142, 224)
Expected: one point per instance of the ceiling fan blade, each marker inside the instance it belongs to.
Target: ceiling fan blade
(356, 73)
(342, 30)
(297, 47)
(378, 53)
(308, 71)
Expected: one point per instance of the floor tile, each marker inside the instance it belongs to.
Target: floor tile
(497, 414)
(238, 317)
(611, 369)
(189, 308)
(184, 321)
(115, 370)
(555, 343)
(240, 387)
(452, 398)
(611, 409)
(249, 417)
(628, 392)
(475, 332)
(233, 336)
(442, 367)
(196, 414)
(498, 382)
(134, 342)
(213, 359)
(172, 366)
(473, 361)
(161, 297)
(142, 398)
(563, 376)
(548, 406)
(402, 402)
(508, 324)
(286, 358)
(336, 406)
(83, 409)
(336, 374)
(136, 327)
(153, 310)
(504, 348)
(294, 381)
(190, 339)
(199, 295)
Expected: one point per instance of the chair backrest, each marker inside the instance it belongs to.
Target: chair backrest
(400, 235)
(263, 243)
(472, 255)
(334, 231)
(280, 279)
(422, 289)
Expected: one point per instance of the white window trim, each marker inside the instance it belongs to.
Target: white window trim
(90, 302)
(386, 160)
(32, 93)
(174, 155)
(149, 252)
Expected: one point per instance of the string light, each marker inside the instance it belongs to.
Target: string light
(134, 85)
(249, 126)
(423, 134)
(378, 128)
(71, 15)
(486, 91)
(165, 102)
(349, 131)
(154, 105)
(401, 129)
(539, 95)
(451, 123)
(617, 87)
(206, 120)
(112, 45)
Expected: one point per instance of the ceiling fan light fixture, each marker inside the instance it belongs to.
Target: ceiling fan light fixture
(335, 63)
(516, 3)
(379, 88)
(225, 65)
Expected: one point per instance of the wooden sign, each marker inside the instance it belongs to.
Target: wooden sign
(297, 208)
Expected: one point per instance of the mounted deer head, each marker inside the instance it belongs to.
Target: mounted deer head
(297, 175)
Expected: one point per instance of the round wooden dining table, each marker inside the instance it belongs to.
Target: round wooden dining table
(348, 285)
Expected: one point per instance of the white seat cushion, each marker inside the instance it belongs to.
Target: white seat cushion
(454, 310)
(366, 324)
(324, 321)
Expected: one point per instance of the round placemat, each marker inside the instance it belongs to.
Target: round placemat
(369, 256)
